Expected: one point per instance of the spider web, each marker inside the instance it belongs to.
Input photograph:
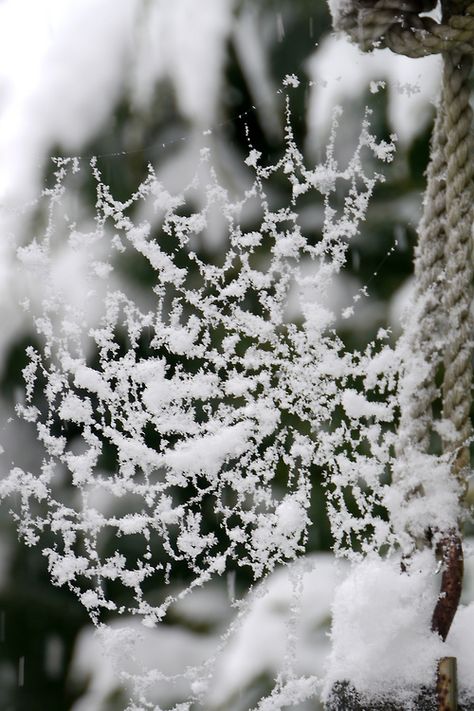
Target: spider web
(180, 436)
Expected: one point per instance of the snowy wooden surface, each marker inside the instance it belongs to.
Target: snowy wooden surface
(345, 698)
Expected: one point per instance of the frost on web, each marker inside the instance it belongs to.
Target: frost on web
(180, 434)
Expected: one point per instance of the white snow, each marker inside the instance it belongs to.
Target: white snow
(66, 567)
(460, 641)
(207, 453)
(381, 638)
(357, 406)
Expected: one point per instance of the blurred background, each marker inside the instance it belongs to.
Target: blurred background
(141, 82)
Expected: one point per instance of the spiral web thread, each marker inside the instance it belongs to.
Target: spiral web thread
(211, 400)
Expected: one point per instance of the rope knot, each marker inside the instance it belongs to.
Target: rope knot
(402, 26)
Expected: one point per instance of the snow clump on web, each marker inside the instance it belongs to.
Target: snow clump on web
(180, 435)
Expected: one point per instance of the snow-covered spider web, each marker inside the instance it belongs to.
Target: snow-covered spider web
(180, 435)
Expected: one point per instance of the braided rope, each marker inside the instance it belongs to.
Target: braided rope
(457, 301)
(444, 273)
(425, 334)
(443, 264)
(397, 24)
(458, 297)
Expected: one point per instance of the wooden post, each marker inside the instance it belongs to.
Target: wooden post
(447, 684)
(344, 696)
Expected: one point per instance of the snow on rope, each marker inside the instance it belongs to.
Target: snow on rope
(440, 330)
